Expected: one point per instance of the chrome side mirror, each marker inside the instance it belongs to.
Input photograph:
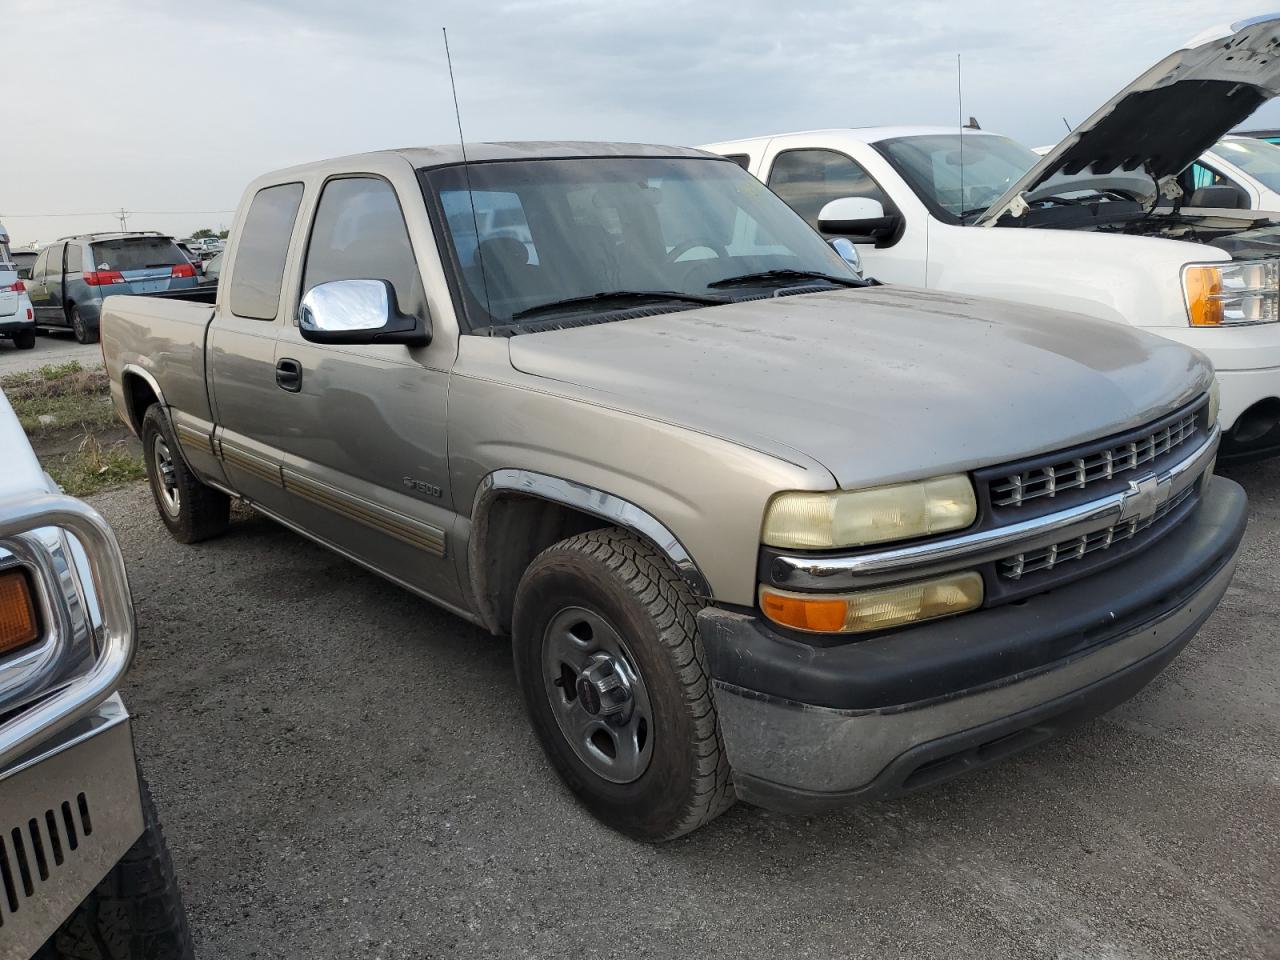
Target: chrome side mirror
(358, 311)
(848, 253)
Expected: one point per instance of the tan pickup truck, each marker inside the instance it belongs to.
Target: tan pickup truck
(756, 528)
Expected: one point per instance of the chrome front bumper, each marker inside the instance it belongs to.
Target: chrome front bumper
(68, 812)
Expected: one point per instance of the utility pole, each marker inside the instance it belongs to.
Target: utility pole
(124, 221)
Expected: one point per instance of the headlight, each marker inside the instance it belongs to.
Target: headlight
(821, 521)
(1215, 401)
(876, 609)
(1230, 293)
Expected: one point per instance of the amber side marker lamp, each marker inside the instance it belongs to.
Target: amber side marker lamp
(18, 623)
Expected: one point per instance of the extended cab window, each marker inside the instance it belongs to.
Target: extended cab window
(262, 249)
(360, 234)
(810, 179)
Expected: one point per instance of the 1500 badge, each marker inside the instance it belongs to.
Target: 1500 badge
(421, 486)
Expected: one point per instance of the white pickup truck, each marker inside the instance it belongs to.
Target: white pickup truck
(1098, 226)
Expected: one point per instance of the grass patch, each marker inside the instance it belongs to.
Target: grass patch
(92, 467)
(66, 411)
(58, 397)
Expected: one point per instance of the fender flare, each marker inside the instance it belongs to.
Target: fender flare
(132, 369)
(578, 496)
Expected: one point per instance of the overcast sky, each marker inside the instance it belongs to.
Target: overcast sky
(158, 106)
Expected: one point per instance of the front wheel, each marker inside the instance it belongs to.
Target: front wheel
(83, 332)
(615, 681)
(135, 913)
(191, 510)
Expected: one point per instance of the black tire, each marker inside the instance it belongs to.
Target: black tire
(629, 585)
(83, 332)
(135, 913)
(24, 339)
(191, 510)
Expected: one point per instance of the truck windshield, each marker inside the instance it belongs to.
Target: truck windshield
(958, 186)
(956, 181)
(1259, 159)
(550, 237)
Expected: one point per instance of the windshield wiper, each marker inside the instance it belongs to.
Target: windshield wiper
(786, 275)
(570, 302)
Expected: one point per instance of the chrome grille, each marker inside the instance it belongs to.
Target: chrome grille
(1078, 473)
(1047, 558)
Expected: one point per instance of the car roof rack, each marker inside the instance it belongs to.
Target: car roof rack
(113, 233)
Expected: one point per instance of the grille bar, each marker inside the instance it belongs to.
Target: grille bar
(1077, 473)
(1047, 558)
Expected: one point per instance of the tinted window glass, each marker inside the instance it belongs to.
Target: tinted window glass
(74, 262)
(359, 234)
(810, 179)
(261, 252)
(135, 253)
(54, 264)
(41, 262)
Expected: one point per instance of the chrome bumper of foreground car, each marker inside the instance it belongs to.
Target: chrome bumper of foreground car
(68, 812)
(793, 754)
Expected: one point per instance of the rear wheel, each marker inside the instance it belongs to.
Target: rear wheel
(83, 332)
(135, 913)
(24, 339)
(614, 677)
(191, 510)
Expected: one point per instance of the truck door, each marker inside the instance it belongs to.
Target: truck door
(362, 427)
(808, 178)
(241, 348)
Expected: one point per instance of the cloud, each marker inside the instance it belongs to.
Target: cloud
(177, 106)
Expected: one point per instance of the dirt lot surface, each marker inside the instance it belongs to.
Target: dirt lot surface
(345, 771)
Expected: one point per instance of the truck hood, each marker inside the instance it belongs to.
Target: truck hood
(877, 385)
(1167, 117)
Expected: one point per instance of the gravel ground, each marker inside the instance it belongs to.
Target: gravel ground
(49, 348)
(345, 771)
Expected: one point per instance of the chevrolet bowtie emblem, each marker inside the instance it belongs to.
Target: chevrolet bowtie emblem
(1144, 497)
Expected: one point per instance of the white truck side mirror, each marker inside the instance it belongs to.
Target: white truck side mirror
(858, 217)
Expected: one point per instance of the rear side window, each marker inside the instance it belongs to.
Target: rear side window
(131, 253)
(261, 252)
(359, 234)
(810, 179)
(75, 261)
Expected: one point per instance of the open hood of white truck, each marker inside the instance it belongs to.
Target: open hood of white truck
(1167, 117)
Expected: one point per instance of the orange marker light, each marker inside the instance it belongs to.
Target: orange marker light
(18, 624)
(804, 613)
(1203, 287)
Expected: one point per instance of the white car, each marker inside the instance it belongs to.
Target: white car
(1098, 226)
(1249, 166)
(17, 318)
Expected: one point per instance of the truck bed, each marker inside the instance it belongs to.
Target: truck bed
(164, 338)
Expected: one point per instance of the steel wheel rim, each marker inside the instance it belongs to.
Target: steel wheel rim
(166, 477)
(580, 647)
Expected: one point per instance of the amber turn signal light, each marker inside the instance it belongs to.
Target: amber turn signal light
(18, 624)
(876, 609)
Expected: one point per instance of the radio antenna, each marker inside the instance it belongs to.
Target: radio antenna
(466, 173)
(1065, 124)
(960, 106)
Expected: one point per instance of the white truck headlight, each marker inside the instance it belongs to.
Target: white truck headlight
(851, 518)
(1224, 294)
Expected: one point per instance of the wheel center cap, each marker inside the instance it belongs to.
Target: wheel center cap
(603, 690)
